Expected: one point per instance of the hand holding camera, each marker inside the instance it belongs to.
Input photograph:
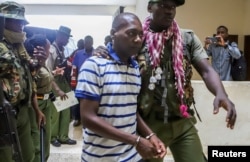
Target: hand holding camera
(211, 40)
(218, 40)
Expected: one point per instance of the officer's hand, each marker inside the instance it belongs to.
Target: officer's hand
(40, 118)
(40, 54)
(58, 71)
(101, 51)
(228, 105)
(62, 95)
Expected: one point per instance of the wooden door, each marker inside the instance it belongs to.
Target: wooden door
(233, 38)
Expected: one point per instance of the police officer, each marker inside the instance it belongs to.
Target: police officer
(16, 81)
(60, 120)
(45, 83)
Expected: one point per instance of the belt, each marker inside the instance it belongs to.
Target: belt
(43, 96)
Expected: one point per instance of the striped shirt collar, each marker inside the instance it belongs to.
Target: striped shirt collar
(115, 57)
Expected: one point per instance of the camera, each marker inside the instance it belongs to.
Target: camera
(213, 39)
(62, 63)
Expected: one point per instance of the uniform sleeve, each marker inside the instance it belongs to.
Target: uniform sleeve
(234, 50)
(51, 59)
(197, 51)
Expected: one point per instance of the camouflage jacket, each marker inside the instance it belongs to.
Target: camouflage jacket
(15, 75)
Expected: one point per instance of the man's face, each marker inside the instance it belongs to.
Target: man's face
(88, 44)
(80, 44)
(163, 13)
(223, 33)
(64, 39)
(14, 25)
(128, 40)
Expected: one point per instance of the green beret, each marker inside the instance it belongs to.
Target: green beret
(178, 2)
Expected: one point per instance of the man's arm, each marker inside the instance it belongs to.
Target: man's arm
(216, 87)
(234, 50)
(146, 132)
(59, 92)
(92, 121)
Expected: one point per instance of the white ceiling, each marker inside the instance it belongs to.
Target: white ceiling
(80, 2)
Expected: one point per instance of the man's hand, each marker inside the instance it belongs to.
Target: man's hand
(58, 71)
(229, 107)
(62, 95)
(221, 41)
(40, 54)
(40, 118)
(207, 42)
(101, 51)
(146, 149)
(159, 145)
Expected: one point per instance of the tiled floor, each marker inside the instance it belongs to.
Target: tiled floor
(68, 153)
(72, 153)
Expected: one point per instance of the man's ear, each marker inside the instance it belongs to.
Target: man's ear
(112, 33)
(150, 7)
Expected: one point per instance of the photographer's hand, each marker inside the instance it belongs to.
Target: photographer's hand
(207, 43)
(221, 41)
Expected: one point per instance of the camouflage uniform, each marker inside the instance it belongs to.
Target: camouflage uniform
(17, 82)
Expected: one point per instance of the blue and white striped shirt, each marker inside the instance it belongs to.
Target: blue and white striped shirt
(116, 87)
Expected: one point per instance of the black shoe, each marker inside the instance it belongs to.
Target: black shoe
(68, 142)
(56, 143)
(76, 123)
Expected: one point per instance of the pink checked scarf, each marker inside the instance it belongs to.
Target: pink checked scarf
(156, 42)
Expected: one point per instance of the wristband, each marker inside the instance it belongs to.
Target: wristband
(137, 141)
(149, 136)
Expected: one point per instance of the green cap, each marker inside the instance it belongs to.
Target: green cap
(13, 10)
(178, 2)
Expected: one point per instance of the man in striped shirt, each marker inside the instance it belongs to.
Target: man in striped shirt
(108, 91)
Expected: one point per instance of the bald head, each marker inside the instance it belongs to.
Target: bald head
(126, 34)
(122, 20)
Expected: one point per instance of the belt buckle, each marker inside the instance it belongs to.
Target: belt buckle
(46, 96)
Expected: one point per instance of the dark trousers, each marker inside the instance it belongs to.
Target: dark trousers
(76, 111)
